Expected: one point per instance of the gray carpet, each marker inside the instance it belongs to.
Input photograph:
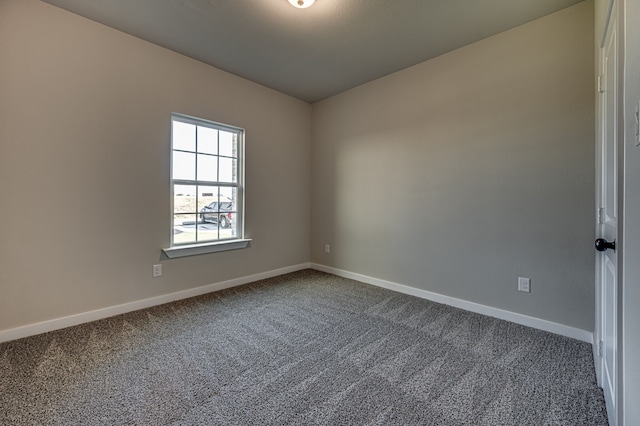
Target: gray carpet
(304, 348)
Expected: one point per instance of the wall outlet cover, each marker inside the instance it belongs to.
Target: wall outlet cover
(156, 271)
(524, 284)
(638, 124)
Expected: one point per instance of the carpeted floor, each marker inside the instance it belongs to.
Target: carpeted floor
(304, 348)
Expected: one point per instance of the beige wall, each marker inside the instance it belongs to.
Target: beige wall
(84, 166)
(453, 176)
(462, 173)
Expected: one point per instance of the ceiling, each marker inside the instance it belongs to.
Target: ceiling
(317, 52)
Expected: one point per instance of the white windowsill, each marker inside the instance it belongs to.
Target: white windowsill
(196, 249)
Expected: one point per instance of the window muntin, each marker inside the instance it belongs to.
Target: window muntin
(206, 181)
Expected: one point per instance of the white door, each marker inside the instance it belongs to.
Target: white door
(607, 228)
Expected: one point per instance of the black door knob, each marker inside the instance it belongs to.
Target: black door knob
(603, 245)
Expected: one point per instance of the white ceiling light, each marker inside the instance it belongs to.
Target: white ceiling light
(301, 4)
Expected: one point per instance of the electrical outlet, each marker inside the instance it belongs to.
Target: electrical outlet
(327, 248)
(156, 271)
(524, 284)
(638, 124)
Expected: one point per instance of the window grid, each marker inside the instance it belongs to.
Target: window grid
(232, 186)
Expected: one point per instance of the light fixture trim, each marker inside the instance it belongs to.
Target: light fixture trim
(301, 4)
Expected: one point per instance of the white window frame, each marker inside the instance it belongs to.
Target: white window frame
(237, 242)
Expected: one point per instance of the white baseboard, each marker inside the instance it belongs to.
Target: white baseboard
(540, 324)
(71, 320)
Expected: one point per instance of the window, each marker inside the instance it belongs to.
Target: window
(206, 186)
